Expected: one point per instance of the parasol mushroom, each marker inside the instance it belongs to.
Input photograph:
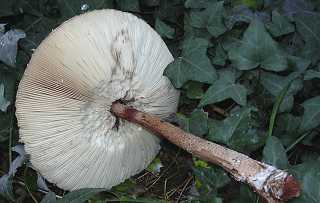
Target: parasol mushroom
(89, 87)
(64, 99)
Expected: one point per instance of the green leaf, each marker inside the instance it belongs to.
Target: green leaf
(183, 122)
(308, 26)
(194, 90)
(81, 195)
(216, 25)
(196, 3)
(155, 166)
(238, 131)
(280, 25)
(257, 48)
(298, 64)
(311, 74)
(286, 128)
(276, 83)
(246, 195)
(309, 178)
(193, 64)
(250, 3)
(274, 153)
(210, 178)
(276, 106)
(220, 56)
(311, 115)
(237, 14)
(127, 185)
(129, 5)
(210, 18)
(198, 122)
(169, 10)
(163, 29)
(191, 31)
(49, 198)
(6, 189)
(224, 88)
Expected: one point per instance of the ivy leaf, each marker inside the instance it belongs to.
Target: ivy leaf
(194, 90)
(280, 25)
(239, 13)
(311, 115)
(81, 195)
(191, 31)
(238, 131)
(210, 18)
(274, 153)
(169, 10)
(196, 3)
(311, 74)
(298, 64)
(8, 45)
(274, 84)
(257, 48)
(210, 178)
(287, 127)
(49, 198)
(216, 25)
(163, 29)
(309, 178)
(220, 56)
(293, 7)
(198, 122)
(250, 3)
(193, 64)
(243, 14)
(224, 88)
(308, 26)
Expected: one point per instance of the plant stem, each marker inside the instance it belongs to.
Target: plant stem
(272, 184)
(298, 140)
(276, 106)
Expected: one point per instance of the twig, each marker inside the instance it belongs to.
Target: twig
(272, 184)
(184, 188)
(219, 110)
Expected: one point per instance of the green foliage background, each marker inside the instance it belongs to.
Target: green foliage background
(249, 76)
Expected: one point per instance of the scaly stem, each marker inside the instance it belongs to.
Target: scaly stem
(272, 184)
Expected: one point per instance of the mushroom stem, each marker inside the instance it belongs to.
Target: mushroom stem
(273, 184)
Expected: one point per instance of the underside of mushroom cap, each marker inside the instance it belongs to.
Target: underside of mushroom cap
(64, 99)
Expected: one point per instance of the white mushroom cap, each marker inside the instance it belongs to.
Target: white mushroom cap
(65, 95)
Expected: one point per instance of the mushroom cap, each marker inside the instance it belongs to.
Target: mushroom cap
(64, 99)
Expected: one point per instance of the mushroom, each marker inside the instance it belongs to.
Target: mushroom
(90, 85)
(64, 99)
